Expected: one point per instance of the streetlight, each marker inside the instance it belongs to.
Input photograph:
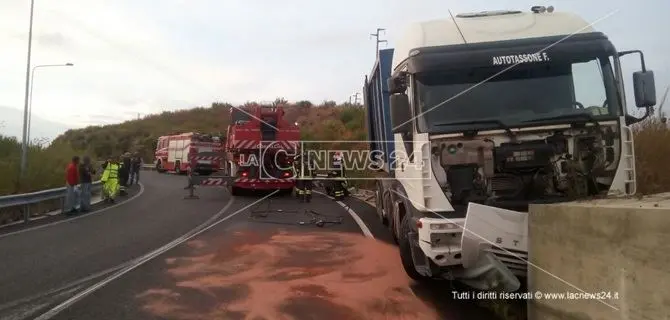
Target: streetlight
(24, 144)
(30, 95)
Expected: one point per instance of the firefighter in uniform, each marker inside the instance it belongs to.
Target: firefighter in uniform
(339, 190)
(303, 168)
(110, 180)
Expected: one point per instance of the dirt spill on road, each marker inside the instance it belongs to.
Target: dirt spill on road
(285, 275)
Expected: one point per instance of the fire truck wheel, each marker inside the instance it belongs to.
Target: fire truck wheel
(159, 167)
(234, 191)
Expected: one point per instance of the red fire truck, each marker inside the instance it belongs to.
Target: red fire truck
(174, 151)
(260, 147)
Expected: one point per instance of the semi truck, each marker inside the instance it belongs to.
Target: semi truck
(260, 147)
(475, 117)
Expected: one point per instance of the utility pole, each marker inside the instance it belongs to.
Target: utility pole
(376, 36)
(24, 144)
(350, 99)
(355, 95)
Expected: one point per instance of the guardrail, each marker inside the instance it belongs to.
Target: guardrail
(27, 199)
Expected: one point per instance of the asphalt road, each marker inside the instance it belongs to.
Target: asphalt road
(159, 256)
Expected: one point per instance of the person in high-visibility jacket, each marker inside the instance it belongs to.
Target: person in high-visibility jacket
(303, 167)
(110, 180)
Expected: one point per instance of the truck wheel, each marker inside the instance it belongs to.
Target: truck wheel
(391, 214)
(382, 206)
(159, 167)
(406, 251)
(234, 191)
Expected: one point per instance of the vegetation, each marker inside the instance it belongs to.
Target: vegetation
(324, 122)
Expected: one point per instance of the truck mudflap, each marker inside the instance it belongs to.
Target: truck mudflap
(494, 248)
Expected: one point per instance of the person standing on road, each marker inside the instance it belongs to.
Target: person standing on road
(303, 184)
(124, 171)
(135, 167)
(110, 180)
(71, 186)
(338, 184)
(86, 173)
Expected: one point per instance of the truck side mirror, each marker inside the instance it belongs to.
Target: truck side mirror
(644, 88)
(401, 114)
(643, 83)
(397, 83)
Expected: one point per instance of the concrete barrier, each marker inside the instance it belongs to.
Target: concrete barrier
(616, 248)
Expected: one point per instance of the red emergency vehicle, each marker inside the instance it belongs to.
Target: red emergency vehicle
(175, 152)
(260, 147)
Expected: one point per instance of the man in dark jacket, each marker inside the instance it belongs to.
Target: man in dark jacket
(86, 173)
(124, 172)
(135, 167)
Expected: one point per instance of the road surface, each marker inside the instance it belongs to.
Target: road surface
(159, 256)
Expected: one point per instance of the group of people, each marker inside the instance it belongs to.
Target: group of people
(303, 167)
(117, 175)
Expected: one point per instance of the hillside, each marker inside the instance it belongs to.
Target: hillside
(324, 122)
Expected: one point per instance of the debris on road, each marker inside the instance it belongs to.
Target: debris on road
(293, 217)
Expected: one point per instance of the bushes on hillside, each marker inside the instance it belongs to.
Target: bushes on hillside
(45, 166)
(325, 122)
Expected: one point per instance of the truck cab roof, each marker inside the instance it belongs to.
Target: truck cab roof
(487, 26)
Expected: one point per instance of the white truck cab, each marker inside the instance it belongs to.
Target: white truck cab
(478, 116)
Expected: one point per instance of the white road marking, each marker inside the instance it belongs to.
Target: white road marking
(77, 217)
(148, 257)
(353, 214)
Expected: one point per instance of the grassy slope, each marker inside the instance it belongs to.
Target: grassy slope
(324, 122)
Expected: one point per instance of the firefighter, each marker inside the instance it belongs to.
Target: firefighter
(110, 180)
(337, 175)
(124, 173)
(303, 168)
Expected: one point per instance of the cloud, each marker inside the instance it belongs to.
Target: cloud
(137, 56)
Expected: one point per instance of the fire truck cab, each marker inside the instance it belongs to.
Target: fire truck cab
(260, 147)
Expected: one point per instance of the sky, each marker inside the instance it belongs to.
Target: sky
(136, 57)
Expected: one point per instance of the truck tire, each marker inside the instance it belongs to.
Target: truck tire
(159, 167)
(391, 213)
(382, 202)
(234, 191)
(379, 204)
(406, 251)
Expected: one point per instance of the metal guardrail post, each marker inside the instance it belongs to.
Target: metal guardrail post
(26, 213)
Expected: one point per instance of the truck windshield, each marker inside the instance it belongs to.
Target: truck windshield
(525, 95)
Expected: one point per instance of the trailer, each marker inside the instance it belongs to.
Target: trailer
(260, 147)
(478, 116)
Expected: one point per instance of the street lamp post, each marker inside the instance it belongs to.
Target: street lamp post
(24, 144)
(30, 95)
